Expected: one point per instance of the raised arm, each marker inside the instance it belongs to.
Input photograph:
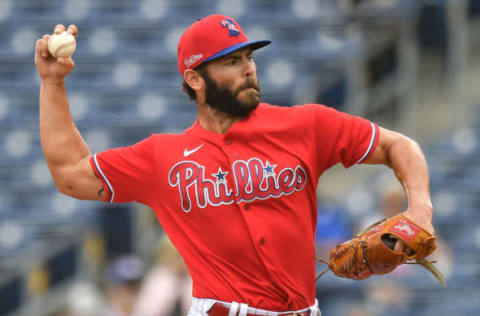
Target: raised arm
(65, 151)
(405, 157)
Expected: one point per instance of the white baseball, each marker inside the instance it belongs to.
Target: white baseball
(62, 45)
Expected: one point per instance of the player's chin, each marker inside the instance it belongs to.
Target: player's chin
(250, 97)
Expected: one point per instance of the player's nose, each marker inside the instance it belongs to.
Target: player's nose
(249, 67)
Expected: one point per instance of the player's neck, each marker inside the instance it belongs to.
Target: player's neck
(213, 120)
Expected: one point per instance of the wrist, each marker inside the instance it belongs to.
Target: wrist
(421, 215)
(421, 211)
(52, 81)
(420, 200)
(423, 206)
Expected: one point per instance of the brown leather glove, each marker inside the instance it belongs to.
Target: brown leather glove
(371, 252)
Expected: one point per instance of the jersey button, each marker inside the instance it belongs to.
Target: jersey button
(236, 155)
(247, 207)
(228, 142)
(262, 241)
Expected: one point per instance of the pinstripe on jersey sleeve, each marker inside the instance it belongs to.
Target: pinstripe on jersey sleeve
(341, 137)
(101, 175)
(127, 173)
(372, 144)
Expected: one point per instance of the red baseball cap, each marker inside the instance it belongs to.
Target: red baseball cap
(211, 37)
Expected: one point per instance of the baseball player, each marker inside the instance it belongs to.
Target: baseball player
(235, 192)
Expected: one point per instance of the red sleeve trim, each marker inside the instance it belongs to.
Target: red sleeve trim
(99, 173)
(373, 143)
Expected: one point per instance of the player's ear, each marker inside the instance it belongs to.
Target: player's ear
(193, 79)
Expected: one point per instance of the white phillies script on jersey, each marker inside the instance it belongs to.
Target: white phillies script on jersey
(252, 179)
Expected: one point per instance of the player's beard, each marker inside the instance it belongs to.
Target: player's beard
(225, 100)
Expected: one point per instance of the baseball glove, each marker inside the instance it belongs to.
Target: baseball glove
(371, 252)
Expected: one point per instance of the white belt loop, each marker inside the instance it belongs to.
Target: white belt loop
(243, 310)
(233, 309)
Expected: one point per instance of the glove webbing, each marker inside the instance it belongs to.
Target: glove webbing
(365, 260)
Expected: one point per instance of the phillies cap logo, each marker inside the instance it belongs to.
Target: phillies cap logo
(230, 25)
(192, 59)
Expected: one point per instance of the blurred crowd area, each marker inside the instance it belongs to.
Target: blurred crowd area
(409, 65)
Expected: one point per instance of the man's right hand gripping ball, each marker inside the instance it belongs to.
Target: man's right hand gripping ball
(51, 69)
(372, 252)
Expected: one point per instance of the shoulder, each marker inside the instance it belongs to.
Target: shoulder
(304, 111)
(170, 139)
(265, 107)
(172, 143)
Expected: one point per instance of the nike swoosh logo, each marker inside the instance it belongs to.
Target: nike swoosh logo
(187, 152)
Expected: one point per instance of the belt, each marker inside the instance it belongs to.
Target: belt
(220, 310)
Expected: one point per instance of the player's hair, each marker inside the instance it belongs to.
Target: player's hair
(187, 89)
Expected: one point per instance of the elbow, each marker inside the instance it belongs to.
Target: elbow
(400, 145)
(62, 183)
(412, 145)
(76, 180)
(403, 139)
(411, 142)
(403, 148)
(63, 188)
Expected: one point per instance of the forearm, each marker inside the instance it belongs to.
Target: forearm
(62, 144)
(410, 167)
(66, 153)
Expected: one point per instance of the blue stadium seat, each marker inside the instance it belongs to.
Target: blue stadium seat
(311, 39)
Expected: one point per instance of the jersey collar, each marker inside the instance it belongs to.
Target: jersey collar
(197, 130)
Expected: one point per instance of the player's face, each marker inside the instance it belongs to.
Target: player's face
(232, 85)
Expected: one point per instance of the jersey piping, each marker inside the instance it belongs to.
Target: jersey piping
(372, 142)
(97, 166)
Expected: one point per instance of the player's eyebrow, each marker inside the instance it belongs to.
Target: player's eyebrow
(233, 57)
(239, 54)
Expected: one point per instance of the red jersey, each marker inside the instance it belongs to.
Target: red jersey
(241, 207)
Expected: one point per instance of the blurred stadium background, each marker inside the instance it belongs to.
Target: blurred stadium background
(409, 65)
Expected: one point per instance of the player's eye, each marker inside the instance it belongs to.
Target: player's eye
(231, 62)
